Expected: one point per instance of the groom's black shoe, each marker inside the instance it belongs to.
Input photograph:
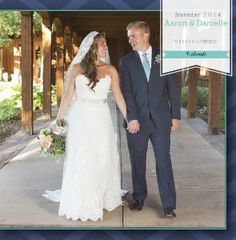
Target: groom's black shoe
(137, 205)
(169, 212)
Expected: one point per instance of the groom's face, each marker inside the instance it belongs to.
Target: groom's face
(138, 39)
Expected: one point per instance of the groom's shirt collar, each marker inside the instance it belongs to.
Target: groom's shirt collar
(149, 55)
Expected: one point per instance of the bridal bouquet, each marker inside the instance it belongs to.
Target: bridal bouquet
(53, 143)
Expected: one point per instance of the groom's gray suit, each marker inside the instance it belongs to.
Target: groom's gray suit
(154, 104)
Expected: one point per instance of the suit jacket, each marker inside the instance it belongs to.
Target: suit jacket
(158, 97)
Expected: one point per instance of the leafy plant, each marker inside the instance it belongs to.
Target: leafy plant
(53, 95)
(8, 111)
(202, 102)
(184, 97)
(37, 97)
(10, 108)
(10, 25)
(202, 97)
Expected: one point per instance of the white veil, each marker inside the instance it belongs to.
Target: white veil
(83, 50)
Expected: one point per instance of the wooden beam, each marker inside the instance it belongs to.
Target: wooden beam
(47, 59)
(214, 101)
(114, 23)
(108, 14)
(192, 92)
(59, 68)
(110, 20)
(27, 71)
(75, 44)
(67, 47)
(35, 77)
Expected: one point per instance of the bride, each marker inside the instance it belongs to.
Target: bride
(91, 173)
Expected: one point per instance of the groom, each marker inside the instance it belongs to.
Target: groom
(153, 111)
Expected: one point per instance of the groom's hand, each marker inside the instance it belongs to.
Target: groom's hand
(133, 126)
(175, 124)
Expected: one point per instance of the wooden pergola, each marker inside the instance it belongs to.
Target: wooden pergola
(62, 33)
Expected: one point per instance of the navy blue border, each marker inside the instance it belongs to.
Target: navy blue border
(230, 233)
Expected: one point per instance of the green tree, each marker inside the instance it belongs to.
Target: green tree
(10, 26)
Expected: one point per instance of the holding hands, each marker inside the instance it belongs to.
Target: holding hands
(133, 126)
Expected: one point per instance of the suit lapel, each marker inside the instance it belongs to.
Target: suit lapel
(140, 66)
(154, 53)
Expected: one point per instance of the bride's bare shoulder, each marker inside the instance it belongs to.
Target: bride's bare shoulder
(111, 69)
(77, 69)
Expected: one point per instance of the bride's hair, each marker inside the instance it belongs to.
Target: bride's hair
(88, 63)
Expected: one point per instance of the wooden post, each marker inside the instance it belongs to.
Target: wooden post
(214, 100)
(75, 44)
(192, 92)
(60, 68)
(67, 46)
(10, 60)
(47, 59)
(27, 71)
(34, 61)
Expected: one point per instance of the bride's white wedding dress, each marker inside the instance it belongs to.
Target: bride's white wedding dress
(91, 174)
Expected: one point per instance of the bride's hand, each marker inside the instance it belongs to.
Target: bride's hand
(57, 129)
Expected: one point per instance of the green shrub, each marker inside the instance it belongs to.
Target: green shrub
(8, 110)
(202, 102)
(53, 95)
(16, 98)
(37, 97)
(202, 97)
(184, 97)
(11, 108)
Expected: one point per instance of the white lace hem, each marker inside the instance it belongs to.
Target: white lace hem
(92, 213)
(89, 218)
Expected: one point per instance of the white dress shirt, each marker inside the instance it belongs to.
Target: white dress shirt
(149, 55)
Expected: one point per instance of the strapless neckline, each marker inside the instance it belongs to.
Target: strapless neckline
(105, 76)
(99, 79)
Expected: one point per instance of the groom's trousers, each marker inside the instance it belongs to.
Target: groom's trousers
(138, 145)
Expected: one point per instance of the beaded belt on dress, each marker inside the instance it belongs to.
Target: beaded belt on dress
(92, 100)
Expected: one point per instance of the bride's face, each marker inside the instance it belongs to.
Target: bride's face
(102, 48)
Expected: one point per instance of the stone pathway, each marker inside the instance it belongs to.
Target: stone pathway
(199, 171)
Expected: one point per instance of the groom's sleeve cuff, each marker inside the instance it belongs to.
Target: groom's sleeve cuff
(132, 117)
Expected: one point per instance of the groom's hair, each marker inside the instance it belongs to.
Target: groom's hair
(139, 24)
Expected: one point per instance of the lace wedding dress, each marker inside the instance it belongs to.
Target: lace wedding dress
(91, 174)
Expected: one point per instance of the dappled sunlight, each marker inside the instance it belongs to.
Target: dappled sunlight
(32, 149)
